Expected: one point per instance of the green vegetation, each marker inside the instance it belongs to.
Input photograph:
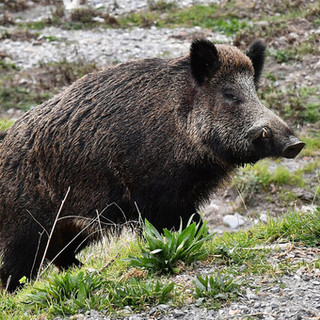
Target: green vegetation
(259, 177)
(21, 97)
(232, 256)
(162, 253)
(161, 5)
(295, 227)
(199, 15)
(51, 77)
(5, 124)
(298, 105)
(218, 287)
(73, 292)
(312, 140)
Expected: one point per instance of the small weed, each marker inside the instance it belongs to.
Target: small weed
(37, 25)
(218, 287)
(163, 252)
(51, 38)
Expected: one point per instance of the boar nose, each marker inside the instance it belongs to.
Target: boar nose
(292, 149)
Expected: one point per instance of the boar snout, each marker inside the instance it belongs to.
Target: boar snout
(274, 144)
(293, 148)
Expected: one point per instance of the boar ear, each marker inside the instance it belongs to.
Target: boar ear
(256, 53)
(204, 60)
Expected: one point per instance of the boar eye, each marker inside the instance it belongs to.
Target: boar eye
(231, 97)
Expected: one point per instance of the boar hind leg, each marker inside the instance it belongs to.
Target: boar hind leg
(66, 243)
(66, 259)
(21, 257)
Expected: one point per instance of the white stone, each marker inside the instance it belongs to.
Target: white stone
(234, 221)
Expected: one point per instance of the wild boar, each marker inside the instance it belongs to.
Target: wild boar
(152, 136)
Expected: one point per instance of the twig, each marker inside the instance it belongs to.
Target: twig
(242, 200)
(43, 228)
(51, 233)
(8, 282)
(35, 257)
(109, 262)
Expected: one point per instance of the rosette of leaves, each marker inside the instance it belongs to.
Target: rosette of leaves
(219, 287)
(164, 252)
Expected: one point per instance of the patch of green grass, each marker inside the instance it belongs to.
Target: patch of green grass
(312, 141)
(282, 176)
(54, 76)
(5, 124)
(198, 15)
(285, 55)
(248, 251)
(36, 25)
(310, 166)
(298, 105)
(163, 252)
(20, 97)
(11, 308)
(257, 179)
(69, 293)
(294, 227)
(193, 16)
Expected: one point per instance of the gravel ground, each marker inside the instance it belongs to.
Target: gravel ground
(103, 46)
(294, 296)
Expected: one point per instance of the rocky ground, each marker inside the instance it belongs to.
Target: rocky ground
(292, 297)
